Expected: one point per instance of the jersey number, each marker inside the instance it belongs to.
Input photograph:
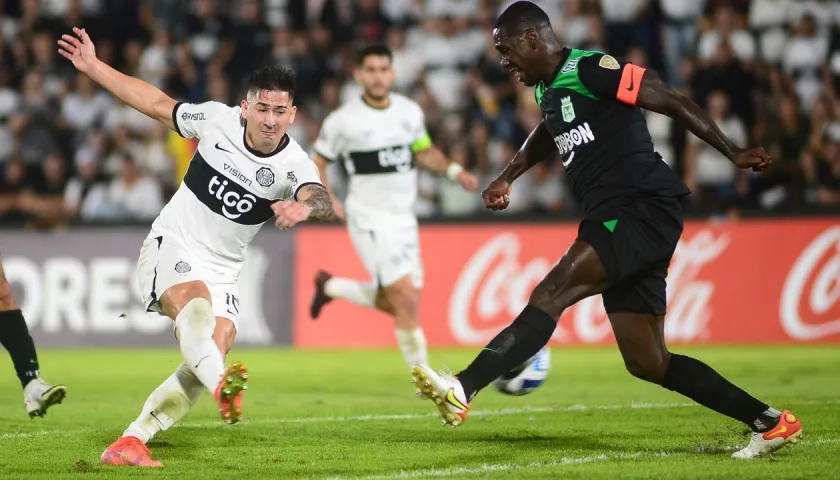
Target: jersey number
(232, 303)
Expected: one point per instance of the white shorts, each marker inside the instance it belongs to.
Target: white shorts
(388, 253)
(164, 263)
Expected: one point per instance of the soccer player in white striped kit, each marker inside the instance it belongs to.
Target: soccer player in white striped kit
(380, 138)
(245, 171)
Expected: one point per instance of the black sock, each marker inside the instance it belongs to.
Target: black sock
(14, 336)
(701, 383)
(523, 338)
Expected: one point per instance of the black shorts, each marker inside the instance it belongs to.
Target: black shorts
(635, 242)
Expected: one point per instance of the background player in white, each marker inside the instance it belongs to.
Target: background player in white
(190, 261)
(378, 138)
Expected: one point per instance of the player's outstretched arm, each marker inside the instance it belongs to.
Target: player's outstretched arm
(658, 96)
(141, 96)
(612, 79)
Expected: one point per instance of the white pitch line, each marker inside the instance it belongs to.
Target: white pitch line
(507, 467)
(477, 413)
(386, 417)
(410, 416)
(42, 433)
(497, 467)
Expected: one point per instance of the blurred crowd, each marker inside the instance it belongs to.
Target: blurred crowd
(767, 71)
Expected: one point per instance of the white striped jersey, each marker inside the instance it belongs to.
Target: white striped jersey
(229, 187)
(377, 147)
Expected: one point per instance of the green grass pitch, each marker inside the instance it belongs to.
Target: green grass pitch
(353, 414)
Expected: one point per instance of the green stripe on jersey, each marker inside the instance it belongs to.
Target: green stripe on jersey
(567, 77)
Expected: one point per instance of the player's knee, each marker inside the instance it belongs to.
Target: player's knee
(382, 303)
(403, 296)
(196, 319)
(649, 367)
(175, 298)
(576, 276)
(554, 297)
(543, 298)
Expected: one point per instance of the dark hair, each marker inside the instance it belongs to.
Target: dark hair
(522, 16)
(376, 49)
(273, 77)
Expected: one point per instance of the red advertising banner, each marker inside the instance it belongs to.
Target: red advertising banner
(754, 281)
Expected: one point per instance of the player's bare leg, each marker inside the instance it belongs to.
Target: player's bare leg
(382, 303)
(404, 298)
(641, 340)
(168, 404)
(400, 300)
(38, 395)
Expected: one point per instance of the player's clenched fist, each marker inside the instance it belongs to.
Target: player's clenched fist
(754, 158)
(497, 195)
(288, 213)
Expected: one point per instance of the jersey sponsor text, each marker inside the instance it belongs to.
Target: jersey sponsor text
(580, 135)
(228, 189)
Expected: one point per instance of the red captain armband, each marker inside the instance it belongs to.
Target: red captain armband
(631, 80)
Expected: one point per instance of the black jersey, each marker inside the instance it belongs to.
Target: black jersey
(603, 139)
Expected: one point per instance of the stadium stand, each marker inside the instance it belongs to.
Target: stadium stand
(767, 70)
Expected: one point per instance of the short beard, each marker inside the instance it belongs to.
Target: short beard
(376, 98)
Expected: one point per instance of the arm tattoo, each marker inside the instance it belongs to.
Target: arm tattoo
(658, 96)
(319, 201)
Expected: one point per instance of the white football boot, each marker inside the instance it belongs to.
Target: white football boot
(38, 396)
(788, 430)
(443, 389)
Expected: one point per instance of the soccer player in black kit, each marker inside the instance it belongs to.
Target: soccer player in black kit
(633, 220)
(38, 395)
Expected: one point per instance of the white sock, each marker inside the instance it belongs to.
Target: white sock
(195, 325)
(170, 402)
(360, 293)
(413, 346)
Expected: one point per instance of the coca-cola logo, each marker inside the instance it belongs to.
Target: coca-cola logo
(809, 307)
(495, 285)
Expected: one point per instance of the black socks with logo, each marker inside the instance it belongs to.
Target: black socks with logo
(701, 383)
(14, 336)
(521, 340)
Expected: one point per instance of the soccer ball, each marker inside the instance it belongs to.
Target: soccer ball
(527, 377)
